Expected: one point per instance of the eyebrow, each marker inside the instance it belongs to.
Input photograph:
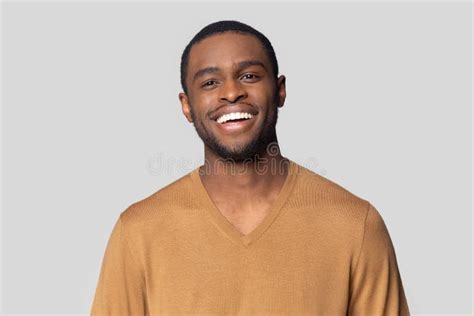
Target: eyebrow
(241, 65)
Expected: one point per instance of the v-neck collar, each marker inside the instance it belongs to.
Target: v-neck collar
(227, 227)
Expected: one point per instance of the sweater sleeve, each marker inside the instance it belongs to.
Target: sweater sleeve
(121, 285)
(376, 286)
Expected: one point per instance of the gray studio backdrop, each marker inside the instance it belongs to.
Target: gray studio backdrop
(379, 101)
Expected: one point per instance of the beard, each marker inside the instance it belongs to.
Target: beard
(249, 151)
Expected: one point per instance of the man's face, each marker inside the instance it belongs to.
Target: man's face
(230, 72)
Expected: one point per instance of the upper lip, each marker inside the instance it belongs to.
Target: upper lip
(233, 109)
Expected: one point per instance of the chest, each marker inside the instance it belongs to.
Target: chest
(244, 221)
(273, 278)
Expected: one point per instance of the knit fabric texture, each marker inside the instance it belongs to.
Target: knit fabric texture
(320, 250)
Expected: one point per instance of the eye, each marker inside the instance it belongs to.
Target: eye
(250, 77)
(208, 84)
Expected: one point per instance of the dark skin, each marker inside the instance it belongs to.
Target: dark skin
(244, 189)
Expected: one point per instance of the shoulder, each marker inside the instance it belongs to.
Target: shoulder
(322, 189)
(168, 199)
(329, 199)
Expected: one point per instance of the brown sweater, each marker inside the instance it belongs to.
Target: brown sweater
(320, 250)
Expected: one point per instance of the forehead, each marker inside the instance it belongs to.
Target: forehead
(225, 50)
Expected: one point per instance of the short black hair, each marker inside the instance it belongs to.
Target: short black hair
(221, 27)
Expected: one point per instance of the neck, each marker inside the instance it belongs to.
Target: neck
(266, 173)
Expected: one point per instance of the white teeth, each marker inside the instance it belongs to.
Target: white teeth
(233, 116)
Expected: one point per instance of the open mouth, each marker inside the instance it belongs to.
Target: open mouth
(234, 117)
(235, 122)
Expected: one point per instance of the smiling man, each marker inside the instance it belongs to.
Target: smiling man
(249, 232)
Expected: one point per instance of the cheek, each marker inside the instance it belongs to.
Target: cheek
(204, 100)
(263, 92)
(201, 105)
(207, 99)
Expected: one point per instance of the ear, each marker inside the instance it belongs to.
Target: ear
(281, 90)
(183, 98)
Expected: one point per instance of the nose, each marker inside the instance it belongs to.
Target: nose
(232, 91)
